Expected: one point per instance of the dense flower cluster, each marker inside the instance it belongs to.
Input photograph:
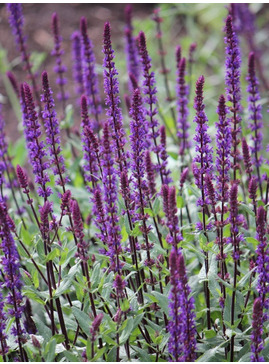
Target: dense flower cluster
(183, 111)
(182, 343)
(77, 62)
(233, 89)
(111, 88)
(204, 158)
(36, 147)
(10, 262)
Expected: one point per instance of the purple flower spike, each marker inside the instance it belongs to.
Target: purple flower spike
(235, 221)
(90, 79)
(23, 180)
(223, 158)
(257, 331)
(111, 88)
(138, 146)
(13, 82)
(182, 343)
(10, 263)
(150, 91)
(77, 62)
(45, 211)
(58, 52)
(82, 245)
(16, 21)
(36, 148)
(246, 157)
(89, 145)
(255, 117)
(203, 161)
(52, 129)
(131, 48)
(150, 174)
(95, 326)
(164, 157)
(110, 198)
(262, 252)
(182, 108)
(170, 208)
(233, 90)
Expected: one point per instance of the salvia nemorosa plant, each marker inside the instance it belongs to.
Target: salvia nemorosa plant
(143, 236)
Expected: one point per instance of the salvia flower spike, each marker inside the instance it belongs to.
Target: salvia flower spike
(52, 129)
(233, 88)
(131, 48)
(255, 116)
(36, 147)
(90, 80)
(60, 69)
(111, 88)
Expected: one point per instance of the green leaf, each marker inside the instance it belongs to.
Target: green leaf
(42, 329)
(143, 355)
(126, 332)
(96, 274)
(83, 320)
(125, 305)
(156, 206)
(210, 354)
(35, 278)
(210, 333)
(244, 208)
(162, 301)
(52, 255)
(71, 357)
(49, 352)
(180, 202)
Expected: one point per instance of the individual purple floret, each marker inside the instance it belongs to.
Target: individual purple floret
(255, 116)
(203, 161)
(90, 79)
(233, 89)
(77, 63)
(58, 52)
(131, 48)
(182, 108)
(52, 129)
(111, 88)
(182, 343)
(110, 198)
(257, 331)
(36, 147)
(262, 252)
(10, 262)
(223, 157)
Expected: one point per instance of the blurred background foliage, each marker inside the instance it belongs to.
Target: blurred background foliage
(182, 25)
